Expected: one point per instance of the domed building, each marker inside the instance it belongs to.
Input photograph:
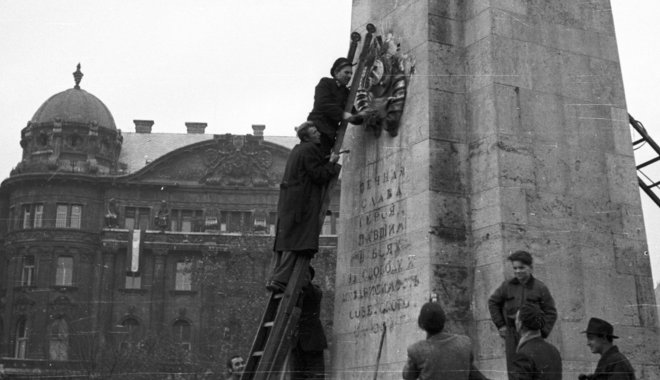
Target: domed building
(137, 251)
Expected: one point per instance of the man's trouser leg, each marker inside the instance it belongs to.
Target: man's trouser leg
(511, 344)
(284, 266)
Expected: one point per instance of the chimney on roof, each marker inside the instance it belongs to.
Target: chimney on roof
(143, 126)
(195, 128)
(258, 130)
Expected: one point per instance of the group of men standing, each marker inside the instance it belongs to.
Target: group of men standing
(524, 312)
(522, 309)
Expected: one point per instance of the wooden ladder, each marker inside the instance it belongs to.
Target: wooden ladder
(278, 326)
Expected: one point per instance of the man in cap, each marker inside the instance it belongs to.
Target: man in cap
(440, 355)
(535, 359)
(505, 302)
(330, 97)
(306, 174)
(613, 365)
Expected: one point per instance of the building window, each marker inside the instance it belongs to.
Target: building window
(236, 221)
(182, 333)
(59, 340)
(33, 215)
(133, 281)
(10, 219)
(64, 274)
(27, 273)
(137, 218)
(27, 216)
(186, 220)
(68, 216)
(21, 339)
(131, 328)
(272, 223)
(183, 277)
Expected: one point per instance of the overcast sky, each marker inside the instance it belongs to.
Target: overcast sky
(228, 63)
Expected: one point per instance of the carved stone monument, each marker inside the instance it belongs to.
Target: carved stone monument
(514, 136)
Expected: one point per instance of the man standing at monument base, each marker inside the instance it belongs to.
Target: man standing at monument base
(306, 175)
(613, 365)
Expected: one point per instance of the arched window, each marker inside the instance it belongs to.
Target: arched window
(182, 333)
(58, 332)
(21, 339)
(131, 335)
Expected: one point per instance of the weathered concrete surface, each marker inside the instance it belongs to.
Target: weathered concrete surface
(514, 136)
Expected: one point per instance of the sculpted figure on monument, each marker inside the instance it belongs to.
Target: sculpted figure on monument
(111, 214)
(330, 97)
(162, 219)
(306, 174)
(382, 92)
(505, 302)
(441, 355)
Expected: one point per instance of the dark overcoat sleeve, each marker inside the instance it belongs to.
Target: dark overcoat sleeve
(496, 305)
(317, 168)
(329, 100)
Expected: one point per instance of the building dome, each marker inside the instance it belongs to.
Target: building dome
(74, 105)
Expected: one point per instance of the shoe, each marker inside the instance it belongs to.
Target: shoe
(276, 287)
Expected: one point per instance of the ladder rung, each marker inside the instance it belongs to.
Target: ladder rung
(258, 353)
(639, 141)
(269, 324)
(653, 185)
(647, 163)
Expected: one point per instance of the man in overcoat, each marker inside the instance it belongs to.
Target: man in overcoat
(330, 97)
(441, 355)
(505, 302)
(307, 355)
(613, 365)
(306, 175)
(535, 359)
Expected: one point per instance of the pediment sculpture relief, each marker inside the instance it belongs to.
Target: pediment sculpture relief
(238, 161)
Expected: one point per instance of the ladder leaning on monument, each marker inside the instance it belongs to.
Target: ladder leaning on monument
(647, 184)
(278, 325)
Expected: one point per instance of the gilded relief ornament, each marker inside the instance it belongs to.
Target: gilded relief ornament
(382, 91)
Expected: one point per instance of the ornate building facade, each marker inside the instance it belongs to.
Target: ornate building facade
(140, 252)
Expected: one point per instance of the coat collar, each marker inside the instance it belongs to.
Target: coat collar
(530, 335)
(529, 284)
(613, 350)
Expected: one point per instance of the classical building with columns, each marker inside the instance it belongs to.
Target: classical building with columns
(126, 252)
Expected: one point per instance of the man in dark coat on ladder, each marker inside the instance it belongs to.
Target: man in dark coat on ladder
(306, 175)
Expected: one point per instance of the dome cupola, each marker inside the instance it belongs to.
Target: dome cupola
(72, 131)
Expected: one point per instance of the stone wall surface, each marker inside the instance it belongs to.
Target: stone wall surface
(514, 136)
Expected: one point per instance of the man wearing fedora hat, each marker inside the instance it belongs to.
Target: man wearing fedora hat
(330, 97)
(613, 365)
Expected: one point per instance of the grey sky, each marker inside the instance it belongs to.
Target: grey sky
(228, 63)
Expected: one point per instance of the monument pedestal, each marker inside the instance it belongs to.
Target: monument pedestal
(514, 136)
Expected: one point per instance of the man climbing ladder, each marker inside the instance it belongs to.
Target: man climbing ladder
(309, 177)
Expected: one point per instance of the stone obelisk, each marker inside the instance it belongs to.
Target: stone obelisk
(514, 136)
